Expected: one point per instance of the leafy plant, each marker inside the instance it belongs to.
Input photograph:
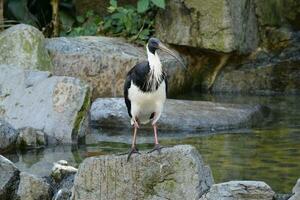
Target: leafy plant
(135, 23)
(85, 25)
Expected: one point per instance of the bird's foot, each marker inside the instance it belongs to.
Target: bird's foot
(133, 150)
(157, 147)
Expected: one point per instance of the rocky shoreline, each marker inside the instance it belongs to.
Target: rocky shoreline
(177, 173)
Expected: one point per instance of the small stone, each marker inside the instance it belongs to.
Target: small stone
(63, 162)
(31, 138)
(241, 190)
(59, 171)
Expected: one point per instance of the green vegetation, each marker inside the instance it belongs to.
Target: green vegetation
(133, 23)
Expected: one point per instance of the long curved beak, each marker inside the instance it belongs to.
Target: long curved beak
(165, 49)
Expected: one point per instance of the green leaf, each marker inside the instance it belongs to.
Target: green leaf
(142, 6)
(113, 3)
(80, 19)
(159, 3)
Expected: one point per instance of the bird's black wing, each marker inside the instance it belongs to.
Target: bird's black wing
(137, 75)
(126, 87)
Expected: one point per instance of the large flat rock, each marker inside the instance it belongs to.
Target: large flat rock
(55, 105)
(104, 62)
(177, 173)
(181, 115)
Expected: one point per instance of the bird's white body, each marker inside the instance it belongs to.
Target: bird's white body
(143, 104)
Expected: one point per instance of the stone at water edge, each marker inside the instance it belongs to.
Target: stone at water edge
(9, 176)
(104, 62)
(31, 138)
(24, 45)
(177, 173)
(57, 105)
(186, 115)
(33, 188)
(62, 176)
(296, 191)
(8, 135)
(239, 190)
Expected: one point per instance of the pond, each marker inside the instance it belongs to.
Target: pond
(270, 153)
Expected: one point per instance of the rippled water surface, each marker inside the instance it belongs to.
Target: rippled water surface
(270, 153)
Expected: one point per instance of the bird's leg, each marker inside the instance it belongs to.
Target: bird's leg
(133, 148)
(157, 146)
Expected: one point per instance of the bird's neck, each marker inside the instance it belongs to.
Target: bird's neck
(154, 63)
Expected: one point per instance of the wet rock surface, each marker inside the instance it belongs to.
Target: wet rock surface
(241, 190)
(177, 173)
(55, 105)
(104, 62)
(181, 115)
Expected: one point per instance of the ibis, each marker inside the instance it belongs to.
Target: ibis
(145, 91)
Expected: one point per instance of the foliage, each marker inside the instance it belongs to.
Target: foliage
(135, 23)
(84, 25)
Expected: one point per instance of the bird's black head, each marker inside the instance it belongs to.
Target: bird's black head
(153, 44)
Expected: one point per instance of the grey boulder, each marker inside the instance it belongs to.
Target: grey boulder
(24, 45)
(104, 62)
(176, 173)
(189, 23)
(181, 115)
(241, 190)
(33, 188)
(8, 135)
(9, 176)
(56, 105)
(296, 191)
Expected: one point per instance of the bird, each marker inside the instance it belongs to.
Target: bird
(145, 92)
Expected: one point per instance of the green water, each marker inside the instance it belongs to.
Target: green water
(269, 153)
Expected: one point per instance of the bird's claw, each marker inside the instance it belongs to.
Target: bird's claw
(133, 150)
(157, 147)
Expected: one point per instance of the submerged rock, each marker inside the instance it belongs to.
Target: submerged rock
(8, 135)
(241, 190)
(33, 188)
(189, 23)
(104, 62)
(177, 173)
(181, 115)
(56, 105)
(24, 45)
(9, 177)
